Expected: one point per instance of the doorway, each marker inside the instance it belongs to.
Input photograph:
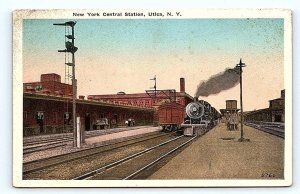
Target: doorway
(278, 118)
(87, 122)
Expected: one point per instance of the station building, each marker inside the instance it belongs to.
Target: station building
(274, 113)
(47, 108)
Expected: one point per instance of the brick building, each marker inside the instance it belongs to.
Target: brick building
(53, 108)
(147, 99)
(47, 108)
(49, 84)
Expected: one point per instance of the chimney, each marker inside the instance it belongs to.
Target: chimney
(90, 97)
(282, 94)
(182, 85)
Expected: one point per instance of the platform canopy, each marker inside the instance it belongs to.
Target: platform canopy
(223, 111)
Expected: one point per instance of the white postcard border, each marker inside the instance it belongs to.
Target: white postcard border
(18, 17)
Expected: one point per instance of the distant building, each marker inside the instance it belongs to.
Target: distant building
(275, 112)
(231, 108)
(147, 99)
(277, 108)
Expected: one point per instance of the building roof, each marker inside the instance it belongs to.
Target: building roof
(276, 99)
(82, 101)
(50, 74)
(256, 111)
(136, 95)
(228, 110)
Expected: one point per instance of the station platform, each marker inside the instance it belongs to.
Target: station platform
(122, 134)
(219, 155)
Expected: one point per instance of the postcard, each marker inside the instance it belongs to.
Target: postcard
(152, 98)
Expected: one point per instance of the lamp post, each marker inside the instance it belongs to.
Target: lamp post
(70, 48)
(240, 67)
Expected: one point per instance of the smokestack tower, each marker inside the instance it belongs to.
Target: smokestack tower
(182, 85)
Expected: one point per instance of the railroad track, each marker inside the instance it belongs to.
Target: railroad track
(54, 137)
(38, 148)
(37, 167)
(276, 129)
(135, 165)
(54, 142)
(48, 140)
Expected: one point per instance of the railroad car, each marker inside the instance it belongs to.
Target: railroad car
(170, 116)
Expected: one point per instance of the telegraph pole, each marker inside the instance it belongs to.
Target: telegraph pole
(154, 85)
(240, 66)
(70, 48)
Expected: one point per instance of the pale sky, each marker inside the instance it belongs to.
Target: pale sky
(122, 55)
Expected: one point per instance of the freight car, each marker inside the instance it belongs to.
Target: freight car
(170, 116)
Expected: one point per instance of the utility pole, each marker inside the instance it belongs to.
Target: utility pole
(70, 48)
(240, 66)
(154, 87)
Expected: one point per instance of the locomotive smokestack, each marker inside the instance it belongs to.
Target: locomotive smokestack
(195, 99)
(182, 85)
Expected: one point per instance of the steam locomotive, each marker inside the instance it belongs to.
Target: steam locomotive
(195, 119)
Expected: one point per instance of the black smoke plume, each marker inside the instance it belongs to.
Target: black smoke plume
(219, 82)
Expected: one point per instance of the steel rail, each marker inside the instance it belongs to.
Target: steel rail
(41, 167)
(267, 129)
(158, 159)
(103, 168)
(43, 148)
